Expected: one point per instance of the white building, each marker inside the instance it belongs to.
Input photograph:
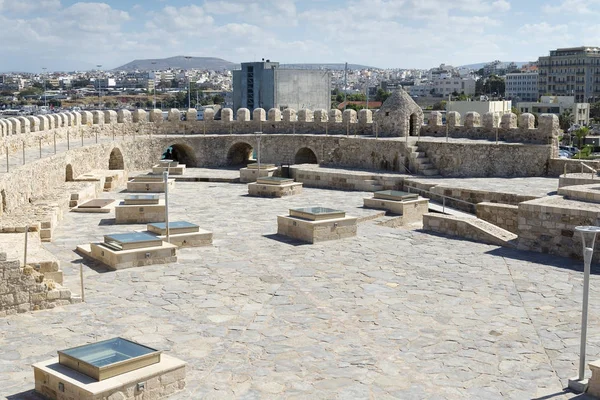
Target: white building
(447, 86)
(482, 107)
(522, 86)
(558, 105)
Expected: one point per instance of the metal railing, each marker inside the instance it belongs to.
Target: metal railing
(593, 171)
(443, 196)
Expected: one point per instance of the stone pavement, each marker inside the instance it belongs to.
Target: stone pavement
(391, 313)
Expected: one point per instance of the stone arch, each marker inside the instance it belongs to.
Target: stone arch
(413, 123)
(306, 156)
(183, 153)
(239, 154)
(115, 160)
(69, 173)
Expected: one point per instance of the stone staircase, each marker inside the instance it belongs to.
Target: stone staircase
(419, 161)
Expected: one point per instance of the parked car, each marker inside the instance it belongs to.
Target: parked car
(570, 149)
(564, 154)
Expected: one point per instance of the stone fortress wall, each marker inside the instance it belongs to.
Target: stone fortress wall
(347, 139)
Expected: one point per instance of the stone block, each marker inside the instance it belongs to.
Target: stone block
(259, 114)
(243, 115)
(289, 115)
(173, 116)
(335, 116)
(365, 117)
(227, 115)
(274, 115)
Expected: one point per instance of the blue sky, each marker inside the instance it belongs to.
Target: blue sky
(68, 35)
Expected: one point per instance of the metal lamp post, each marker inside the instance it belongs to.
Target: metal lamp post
(258, 136)
(588, 236)
(166, 181)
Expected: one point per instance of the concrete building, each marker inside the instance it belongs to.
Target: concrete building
(446, 86)
(522, 86)
(558, 105)
(265, 85)
(481, 107)
(571, 72)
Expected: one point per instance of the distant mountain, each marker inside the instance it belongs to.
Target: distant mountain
(481, 65)
(333, 67)
(179, 62)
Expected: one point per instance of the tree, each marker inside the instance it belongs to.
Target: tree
(595, 110)
(355, 107)
(357, 97)
(494, 84)
(440, 105)
(566, 119)
(382, 95)
(581, 133)
(218, 99)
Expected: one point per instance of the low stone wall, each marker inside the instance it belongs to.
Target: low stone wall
(471, 229)
(346, 180)
(481, 159)
(25, 289)
(503, 215)
(472, 196)
(556, 166)
(547, 225)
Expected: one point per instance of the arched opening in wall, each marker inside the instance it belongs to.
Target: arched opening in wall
(115, 160)
(414, 125)
(240, 154)
(3, 195)
(69, 173)
(182, 153)
(306, 156)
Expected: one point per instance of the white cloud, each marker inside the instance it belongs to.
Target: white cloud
(188, 18)
(501, 5)
(27, 6)
(569, 7)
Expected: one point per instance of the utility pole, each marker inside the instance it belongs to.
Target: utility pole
(154, 85)
(189, 82)
(44, 78)
(99, 88)
(345, 84)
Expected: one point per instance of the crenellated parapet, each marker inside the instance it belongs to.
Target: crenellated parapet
(490, 126)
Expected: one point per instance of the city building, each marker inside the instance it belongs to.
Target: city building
(558, 105)
(482, 107)
(450, 85)
(571, 72)
(522, 86)
(265, 85)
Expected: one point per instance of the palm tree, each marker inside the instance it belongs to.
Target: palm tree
(566, 119)
(581, 133)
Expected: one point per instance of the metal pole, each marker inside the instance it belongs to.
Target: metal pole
(68, 141)
(54, 142)
(25, 248)
(7, 166)
(96, 137)
(587, 261)
(23, 152)
(258, 135)
(82, 138)
(82, 286)
(166, 180)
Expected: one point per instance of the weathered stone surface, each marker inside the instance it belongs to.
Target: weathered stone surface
(174, 115)
(259, 114)
(243, 115)
(274, 115)
(399, 115)
(124, 116)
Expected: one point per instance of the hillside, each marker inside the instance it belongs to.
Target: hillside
(178, 62)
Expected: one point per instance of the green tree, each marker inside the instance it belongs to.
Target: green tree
(218, 99)
(382, 95)
(595, 110)
(494, 84)
(566, 119)
(357, 97)
(355, 107)
(581, 133)
(440, 105)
